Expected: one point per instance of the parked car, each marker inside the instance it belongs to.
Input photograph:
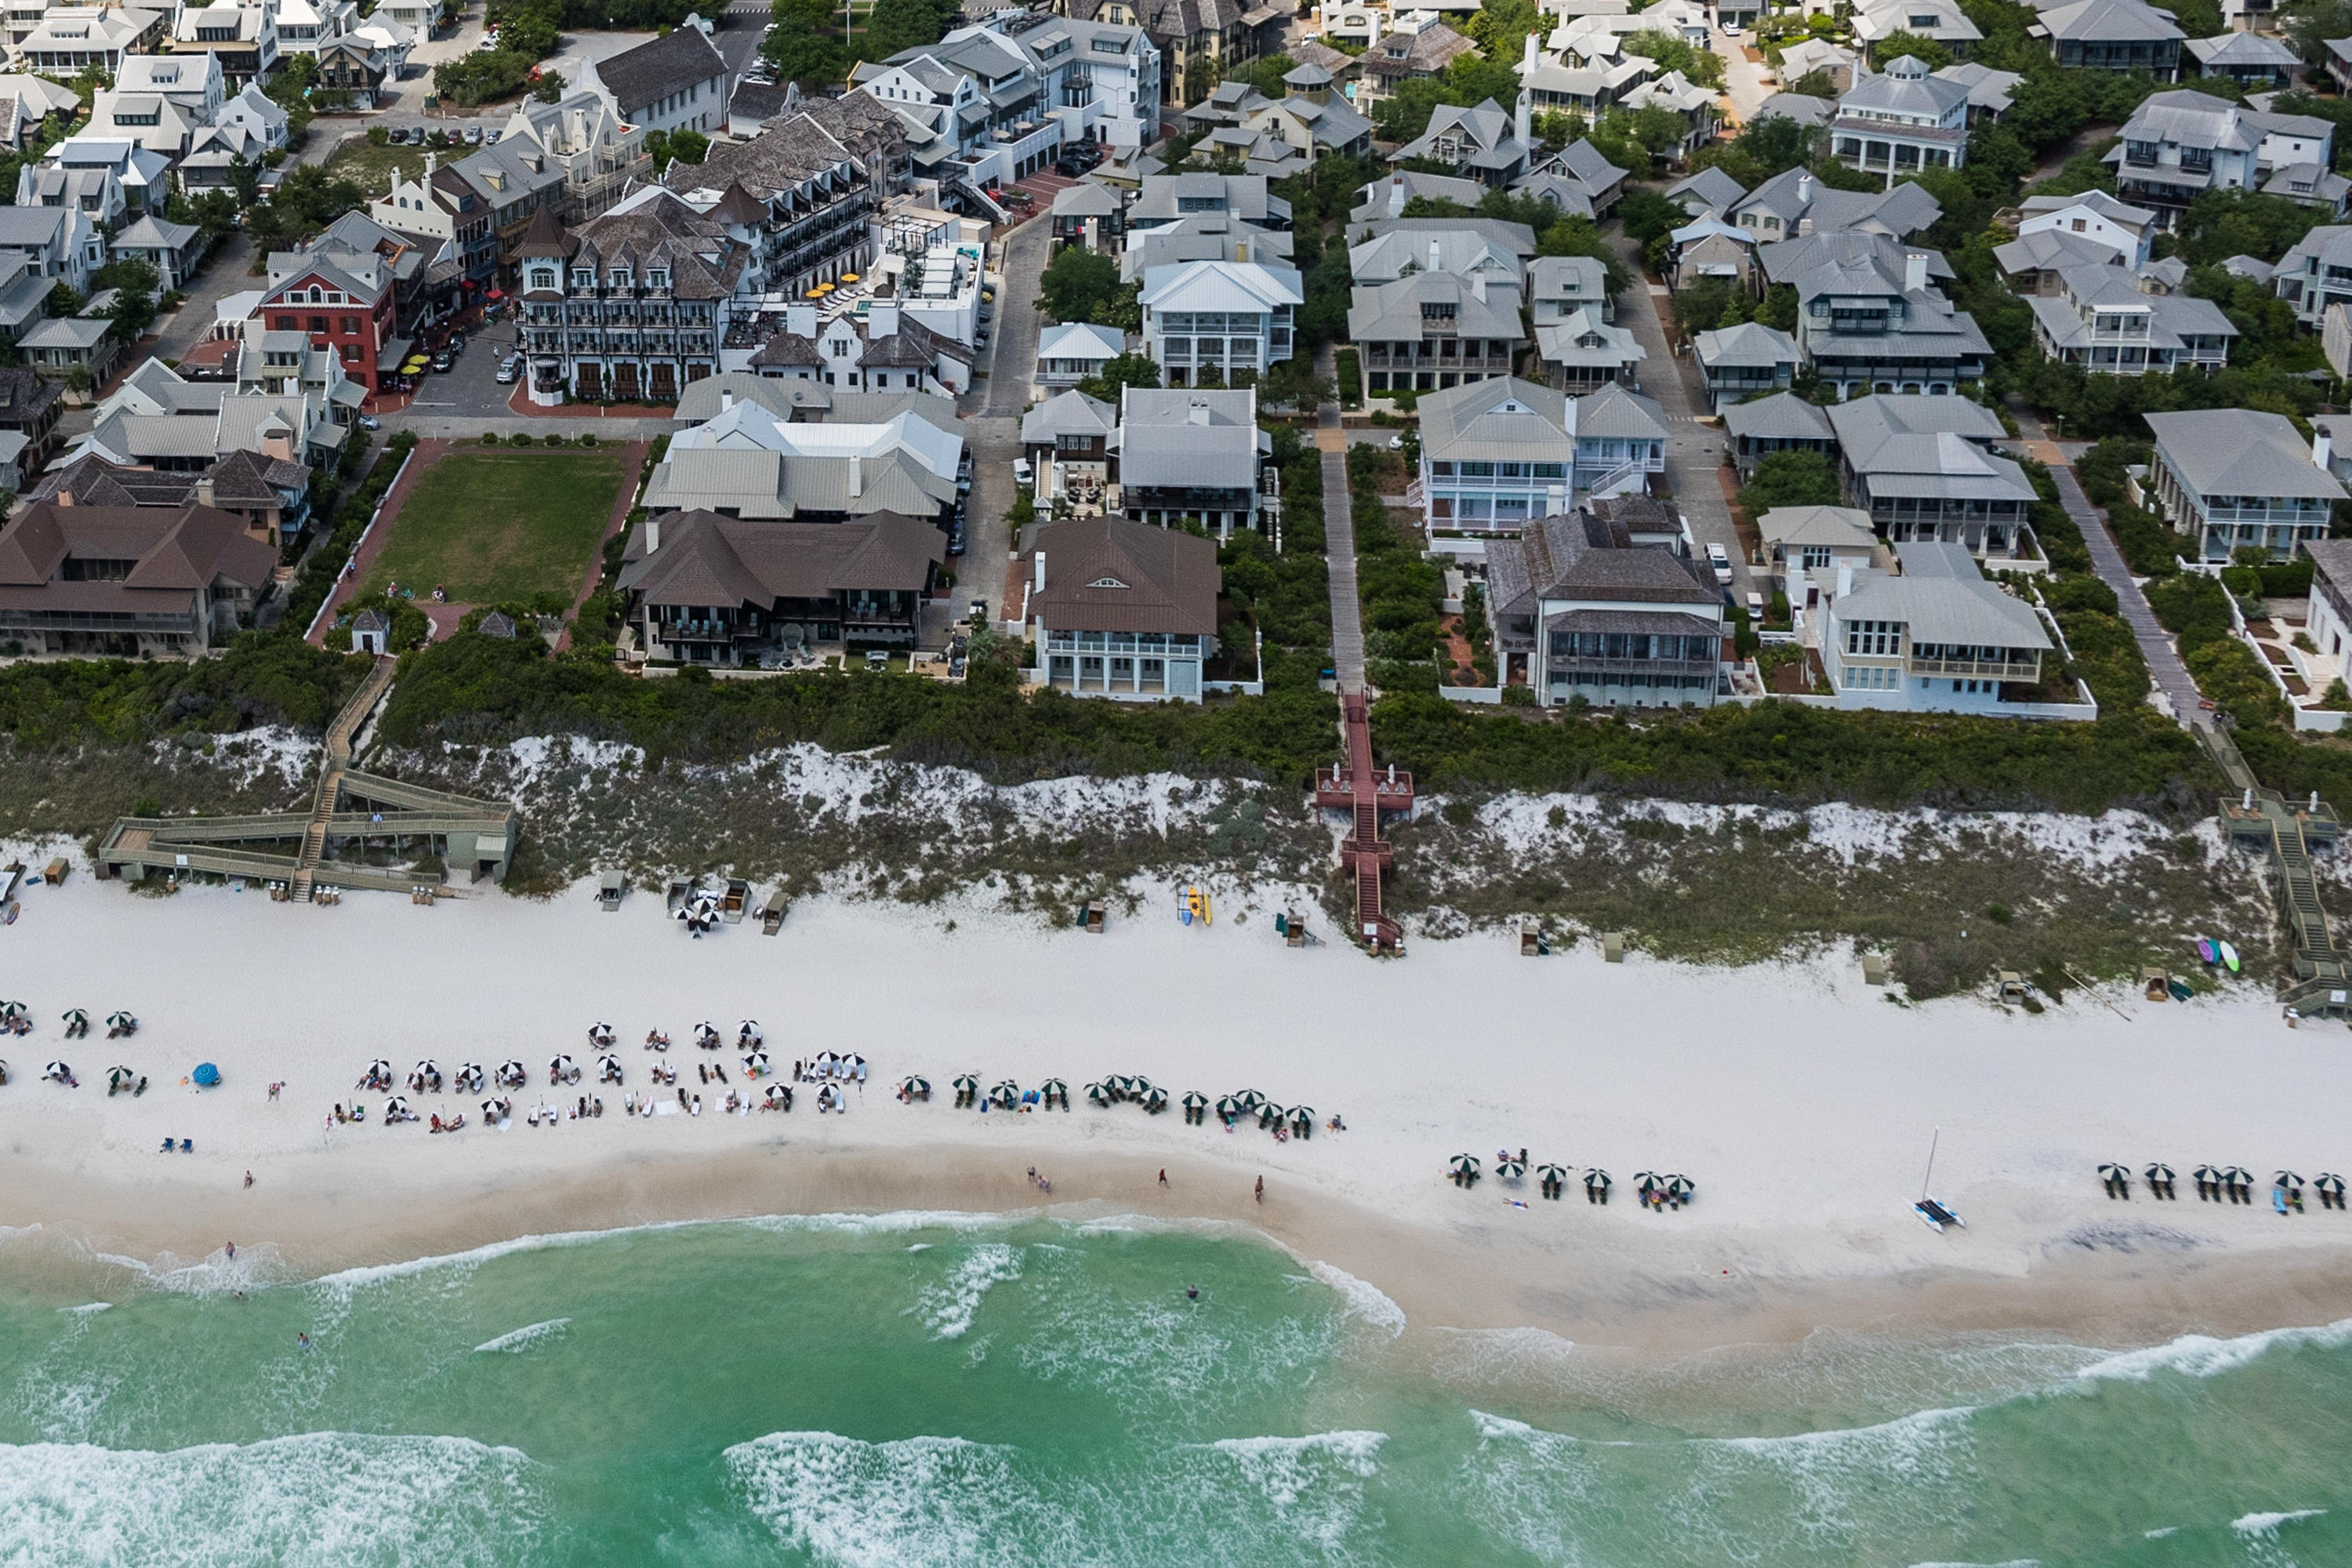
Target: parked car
(955, 542)
(506, 374)
(442, 360)
(473, 135)
(370, 422)
(1755, 605)
(1718, 560)
(490, 136)
(1022, 472)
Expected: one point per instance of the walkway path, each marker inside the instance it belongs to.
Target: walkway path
(1694, 451)
(2155, 646)
(1339, 546)
(422, 457)
(623, 504)
(331, 766)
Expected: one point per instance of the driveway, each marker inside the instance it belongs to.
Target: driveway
(1694, 451)
(1743, 79)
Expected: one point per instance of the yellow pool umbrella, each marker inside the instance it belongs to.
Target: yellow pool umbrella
(816, 294)
(849, 277)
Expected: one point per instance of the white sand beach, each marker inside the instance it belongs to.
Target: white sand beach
(1801, 1101)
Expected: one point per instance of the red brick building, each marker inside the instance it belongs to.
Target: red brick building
(343, 301)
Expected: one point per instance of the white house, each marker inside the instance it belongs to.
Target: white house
(252, 112)
(1935, 636)
(1072, 352)
(1902, 121)
(1493, 454)
(677, 80)
(2234, 478)
(1201, 318)
(2094, 217)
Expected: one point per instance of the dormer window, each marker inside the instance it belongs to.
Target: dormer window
(658, 277)
(620, 276)
(543, 278)
(583, 278)
(1106, 582)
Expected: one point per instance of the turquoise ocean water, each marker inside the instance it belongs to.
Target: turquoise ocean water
(930, 1390)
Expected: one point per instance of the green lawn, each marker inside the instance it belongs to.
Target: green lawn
(372, 166)
(493, 526)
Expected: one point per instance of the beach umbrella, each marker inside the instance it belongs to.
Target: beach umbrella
(1141, 1088)
(1302, 1117)
(1229, 1105)
(608, 1069)
(2207, 1175)
(705, 1036)
(600, 1034)
(1155, 1099)
(1596, 1177)
(1511, 1169)
(2159, 1172)
(912, 1087)
(121, 1023)
(749, 1030)
(76, 1018)
(1053, 1087)
(755, 1061)
(57, 1070)
(395, 1106)
(2288, 1180)
(2112, 1171)
(2328, 1182)
(428, 1067)
(3, 1072)
(1119, 1085)
(1646, 1181)
(1194, 1100)
(1270, 1114)
(117, 1077)
(12, 1009)
(1098, 1094)
(1251, 1098)
(1006, 1093)
(2241, 1175)
(1682, 1186)
(1556, 1174)
(469, 1076)
(966, 1083)
(853, 1066)
(510, 1073)
(559, 1067)
(1464, 1167)
(206, 1076)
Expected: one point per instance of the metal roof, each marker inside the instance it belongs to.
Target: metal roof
(2240, 452)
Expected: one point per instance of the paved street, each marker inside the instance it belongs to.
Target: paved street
(1743, 79)
(992, 418)
(1694, 451)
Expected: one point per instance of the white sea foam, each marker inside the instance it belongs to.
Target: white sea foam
(948, 1307)
(516, 1341)
(1361, 1301)
(89, 1309)
(1285, 1469)
(911, 1503)
(2265, 1526)
(2202, 1355)
(324, 1497)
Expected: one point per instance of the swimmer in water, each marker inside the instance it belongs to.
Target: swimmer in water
(303, 1340)
(1191, 1292)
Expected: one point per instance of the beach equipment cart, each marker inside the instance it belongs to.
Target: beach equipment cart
(772, 915)
(610, 888)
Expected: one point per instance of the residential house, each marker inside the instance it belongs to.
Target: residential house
(1620, 441)
(885, 347)
(1119, 609)
(1902, 121)
(86, 342)
(1736, 362)
(1192, 453)
(1803, 109)
(1166, 198)
(1073, 351)
(1090, 214)
(1494, 454)
(287, 401)
(1560, 286)
(1420, 46)
(1580, 352)
(359, 66)
(1924, 469)
(127, 582)
(2177, 144)
(2031, 264)
(2113, 35)
(753, 103)
(2329, 621)
(1711, 191)
(676, 80)
(1068, 441)
(1933, 637)
(112, 181)
(37, 100)
(1867, 319)
(219, 156)
(1990, 92)
(270, 497)
(1943, 21)
(58, 242)
(1395, 252)
(2311, 185)
(1201, 42)
(2094, 216)
(1387, 198)
(1578, 610)
(1783, 422)
(1202, 239)
(1791, 204)
(2233, 478)
(145, 120)
(252, 112)
(704, 587)
(30, 406)
(1711, 248)
(1801, 57)
(244, 39)
(2339, 63)
(750, 461)
(1478, 143)
(2255, 62)
(1563, 83)
(1208, 320)
(170, 249)
(308, 26)
(69, 39)
(1678, 94)
(2098, 319)
(2315, 273)
(1312, 123)
(1434, 330)
(820, 172)
(1800, 542)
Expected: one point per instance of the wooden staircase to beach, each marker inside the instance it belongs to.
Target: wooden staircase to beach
(2263, 819)
(332, 768)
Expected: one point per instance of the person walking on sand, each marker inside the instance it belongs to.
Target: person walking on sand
(248, 1178)
(1163, 1175)
(1261, 1189)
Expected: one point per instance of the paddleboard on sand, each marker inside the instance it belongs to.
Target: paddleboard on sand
(2230, 957)
(2207, 951)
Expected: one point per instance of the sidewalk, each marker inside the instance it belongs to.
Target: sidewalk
(425, 455)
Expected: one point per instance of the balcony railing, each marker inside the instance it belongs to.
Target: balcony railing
(2010, 669)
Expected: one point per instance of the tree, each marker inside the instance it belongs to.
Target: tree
(1266, 74)
(896, 24)
(1647, 215)
(136, 283)
(1763, 148)
(2309, 26)
(1896, 45)
(686, 146)
(806, 46)
(1079, 285)
(1815, 83)
(1790, 479)
(1293, 384)
(1700, 64)
(1126, 370)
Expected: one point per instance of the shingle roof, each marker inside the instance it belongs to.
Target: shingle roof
(705, 559)
(1502, 416)
(653, 69)
(1572, 555)
(2240, 452)
(1944, 599)
(1106, 573)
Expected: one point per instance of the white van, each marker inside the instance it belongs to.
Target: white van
(1719, 561)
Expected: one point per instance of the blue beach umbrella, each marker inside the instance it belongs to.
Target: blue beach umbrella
(207, 1075)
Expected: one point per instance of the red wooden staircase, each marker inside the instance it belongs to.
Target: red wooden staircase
(1356, 786)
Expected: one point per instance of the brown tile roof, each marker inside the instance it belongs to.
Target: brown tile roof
(1109, 574)
(796, 147)
(653, 69)
(176, 550)
(706, 559)
(703, 261)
